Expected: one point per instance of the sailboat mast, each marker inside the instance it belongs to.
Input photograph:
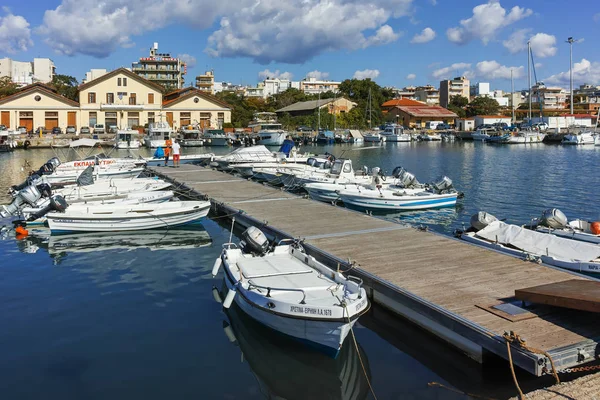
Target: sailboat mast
(334, 113)
(512, 96)
(529, 78)
(319, 114)
(369, 108)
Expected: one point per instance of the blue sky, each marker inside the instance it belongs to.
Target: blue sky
(395, 42)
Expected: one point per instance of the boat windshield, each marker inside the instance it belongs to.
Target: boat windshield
(337, 167)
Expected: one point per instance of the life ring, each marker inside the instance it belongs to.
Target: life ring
(26, 144)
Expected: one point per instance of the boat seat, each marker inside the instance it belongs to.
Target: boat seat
(261, 267)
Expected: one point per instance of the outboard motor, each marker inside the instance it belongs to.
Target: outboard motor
(407, 179)
(254, 241)
(30, 195)
(44, 189)
(57, 203)
(481, 220)
(375, 171)
(32, 180)
(553, 218)
(54, 161)
(311, 161)
(397, 172)
(442, 184)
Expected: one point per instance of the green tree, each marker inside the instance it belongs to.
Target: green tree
(7, 87)
(457, 105)
(483, 106)
(357, 90)
(66, 86)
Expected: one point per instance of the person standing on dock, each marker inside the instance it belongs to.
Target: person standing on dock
(176, 149)
(167, 152)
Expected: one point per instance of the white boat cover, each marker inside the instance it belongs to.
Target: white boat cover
(355, 133)
(83, 143)
(539, 243)
(261, 267)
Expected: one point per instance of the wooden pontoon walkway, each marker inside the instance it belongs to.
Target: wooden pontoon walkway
(443, 284)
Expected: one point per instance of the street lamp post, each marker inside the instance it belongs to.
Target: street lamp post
(570, 41)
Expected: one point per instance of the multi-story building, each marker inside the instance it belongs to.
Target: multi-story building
(314, 86)
(275, 85)
(428, 95)
(258, 91)
(206, 82)
(26, 72)
(93, 73)
(551, 98)
(119, 98)
(161, 68)
(452, 87)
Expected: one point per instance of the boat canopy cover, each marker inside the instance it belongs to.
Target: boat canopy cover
(86, 177)
(355, 133)
(327, 134)
(287, 146)
(539, 243)
(83, 143)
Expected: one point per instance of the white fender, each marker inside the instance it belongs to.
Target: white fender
(229, 333)
(217, 295)
(229, 298)
(216, 266)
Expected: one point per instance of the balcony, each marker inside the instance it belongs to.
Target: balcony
(121, 107)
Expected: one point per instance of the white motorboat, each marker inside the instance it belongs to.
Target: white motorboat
(340, 171)
(290, 292)
(520, 137)
(127, 139)
(158, 134)
(255, 155)
(597, 139)
(448, 137)
(580, 138)
(99, 172)
(114, 218)
(481, 135)
(216, 137)
(183, 159)
(395, 133)
(554, 222)
(7, 141)
(269, 131)
(110, 187)
(524, 243)
(373, 137)
(191, 137)
(430, 137)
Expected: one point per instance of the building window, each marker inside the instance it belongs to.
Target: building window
(118, 81)
(204, 120)
(220, 119)
(37, 98)
(185, 118)
(124, 81)
(91, 98)
(93, 118)
(120, 95)
(133, 119)
(110, 120)
(132, 99)
(110, 98)
(150, 118)
(150, 98)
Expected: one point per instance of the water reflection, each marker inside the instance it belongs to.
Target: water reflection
(286, 369)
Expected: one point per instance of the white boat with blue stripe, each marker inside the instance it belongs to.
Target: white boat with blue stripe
(290, 292)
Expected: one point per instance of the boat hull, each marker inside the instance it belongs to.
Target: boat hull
(401, 203)
(271, 138)
(131, 145)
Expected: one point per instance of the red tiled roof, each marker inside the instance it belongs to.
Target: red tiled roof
(427, 111)
(577, 115)
(402, 102)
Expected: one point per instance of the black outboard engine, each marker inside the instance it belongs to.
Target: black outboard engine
(254, 241)
(44, 189)
(397, 172)
(57, 203)
(30, 195)
(442, 184)
(55, 162)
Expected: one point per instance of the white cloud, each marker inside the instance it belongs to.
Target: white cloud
(583, 72)
(456, 69)
(15, 34)
(543, 45)
(494, 70)
(486, 21)
(411, 77)
(517, 41)
(427, 35)
(318, 75)
(188, 59)
(538, 65)
(366, 73)
(274, 75)
(296, 31)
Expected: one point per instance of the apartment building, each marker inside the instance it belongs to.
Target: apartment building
(93, 73)
(161, 68)
(452, 87)
(552, 98)
(314, 86)
(28, 72)
(428, 95)
(206, 82)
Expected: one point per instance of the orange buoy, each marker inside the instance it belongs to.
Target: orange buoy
(595, 227)
(21, 232)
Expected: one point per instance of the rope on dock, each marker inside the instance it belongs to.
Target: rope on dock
(513, 337)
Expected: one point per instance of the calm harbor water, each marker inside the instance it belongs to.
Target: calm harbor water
(133, 316)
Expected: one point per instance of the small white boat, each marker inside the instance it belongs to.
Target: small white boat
(439, 194)
(269, 131)
(531, 245)
(191, 137)
(448, 137)
(291, 292)
(183, 159)
(580, 138)
(430, 137)
(372, 137)
(158, 134)
(554, 222)
(216, 137)
(70, 176)
(395, 133)
(520, 137)
(481, 135)
(113, 218)
(340, 171)
(127, 139)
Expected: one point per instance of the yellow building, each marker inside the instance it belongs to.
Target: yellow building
(453, 87)
(193, 106)
(36, 106)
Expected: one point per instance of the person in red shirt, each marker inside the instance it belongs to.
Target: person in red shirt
(167, 153)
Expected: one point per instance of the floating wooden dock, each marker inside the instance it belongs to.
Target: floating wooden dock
(460, 292)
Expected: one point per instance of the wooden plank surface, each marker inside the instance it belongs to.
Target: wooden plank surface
(445, 271)
(574, 294)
